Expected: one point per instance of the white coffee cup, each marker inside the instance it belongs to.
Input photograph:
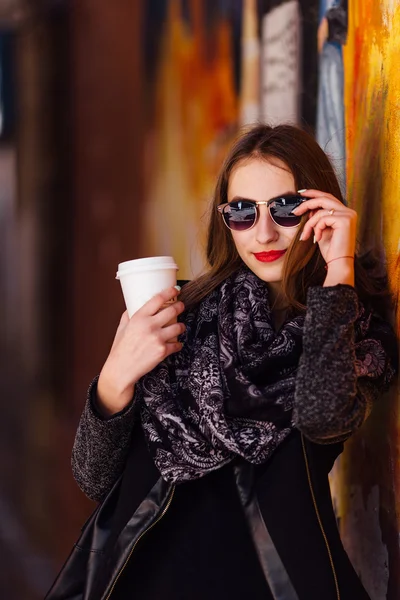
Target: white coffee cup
(143, 278)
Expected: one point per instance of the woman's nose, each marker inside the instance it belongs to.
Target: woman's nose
(265, 227)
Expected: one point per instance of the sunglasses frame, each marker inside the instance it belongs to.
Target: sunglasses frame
(257, 203)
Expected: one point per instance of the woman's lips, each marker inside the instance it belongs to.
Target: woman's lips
(269, 256)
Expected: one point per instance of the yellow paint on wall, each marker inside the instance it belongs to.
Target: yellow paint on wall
(391, 181)
(196, 112)
(372, 104)
(372, 109)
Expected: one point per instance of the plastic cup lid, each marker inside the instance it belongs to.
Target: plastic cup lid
(152, 263)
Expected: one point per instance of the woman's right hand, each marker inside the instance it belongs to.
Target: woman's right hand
(140, 344)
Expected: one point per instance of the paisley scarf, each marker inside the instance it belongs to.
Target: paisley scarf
(230, 391)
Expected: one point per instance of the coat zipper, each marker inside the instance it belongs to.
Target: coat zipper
(319, 518)
(169, 503)
(140, 537)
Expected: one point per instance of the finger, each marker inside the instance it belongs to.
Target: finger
(152, 306)
(172, 331)
(316, 203)
(319, 214)
(313, 193)
(167, 314)
(172, 347)
(328, 219)
(342, 213)
(319, 228)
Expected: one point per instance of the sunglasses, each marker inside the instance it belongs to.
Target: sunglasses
(241, 215)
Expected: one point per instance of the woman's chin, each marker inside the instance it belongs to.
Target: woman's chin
(268, 272)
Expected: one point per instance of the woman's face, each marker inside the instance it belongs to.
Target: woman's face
(262, 248)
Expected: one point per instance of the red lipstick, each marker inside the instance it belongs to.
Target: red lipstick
(269, 256)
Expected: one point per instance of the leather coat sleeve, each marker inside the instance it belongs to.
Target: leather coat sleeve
(349, 358)
(100, 448)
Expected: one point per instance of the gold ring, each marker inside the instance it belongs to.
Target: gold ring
(331, 211)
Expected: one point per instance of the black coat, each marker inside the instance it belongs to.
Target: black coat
(240, 532)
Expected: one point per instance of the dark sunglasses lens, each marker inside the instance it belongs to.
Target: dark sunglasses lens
(240, 216)
(281, 210)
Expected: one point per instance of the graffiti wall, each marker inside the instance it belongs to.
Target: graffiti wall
(216, 67)
(212, 68)
(358, 124)
(154, 91)
(370, 486)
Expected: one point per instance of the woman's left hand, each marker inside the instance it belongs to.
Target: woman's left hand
(333, 224)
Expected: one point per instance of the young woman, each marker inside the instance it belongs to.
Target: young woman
(210, 456)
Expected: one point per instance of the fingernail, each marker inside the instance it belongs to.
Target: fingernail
(177, 287)
(314, 239)
(301, 236)
(301, 191)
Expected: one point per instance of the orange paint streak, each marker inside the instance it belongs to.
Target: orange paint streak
(372, 108)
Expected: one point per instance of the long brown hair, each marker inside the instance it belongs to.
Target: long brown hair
(304, 265)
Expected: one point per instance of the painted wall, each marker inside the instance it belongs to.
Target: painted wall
(213, 68)
(157, 90)
(370, 487)
(201, 100)
(358, 123)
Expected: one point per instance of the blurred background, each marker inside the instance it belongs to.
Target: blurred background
(114, 119)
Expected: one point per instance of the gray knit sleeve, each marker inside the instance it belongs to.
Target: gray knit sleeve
(348, 359)
(100, 448)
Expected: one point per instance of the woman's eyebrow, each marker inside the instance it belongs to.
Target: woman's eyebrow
(238, 198)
